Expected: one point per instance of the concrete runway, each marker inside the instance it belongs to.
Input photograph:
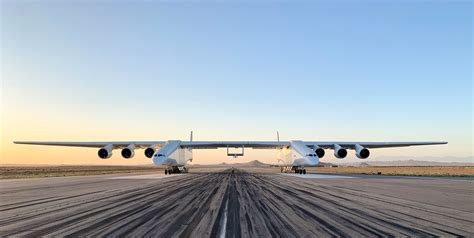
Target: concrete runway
(244, 203)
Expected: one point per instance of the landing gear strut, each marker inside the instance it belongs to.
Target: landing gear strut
(299, 170)
(176, 170)
(296, 169)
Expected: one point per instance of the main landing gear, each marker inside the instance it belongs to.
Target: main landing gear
(297, 169)
(176, 170)
(300, 171)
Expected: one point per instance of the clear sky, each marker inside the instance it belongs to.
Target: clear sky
(240, 70)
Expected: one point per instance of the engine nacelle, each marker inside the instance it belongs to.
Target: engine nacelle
(105, 153)
(361, 152)
(128, 152)
(319, 151)
(149, 152)
(339, 152)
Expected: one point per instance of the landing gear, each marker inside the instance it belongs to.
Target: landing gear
(299, 170)
(296, 169)
(176, 170)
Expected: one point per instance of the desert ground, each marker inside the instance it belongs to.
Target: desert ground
(237, 202)
(449, 171)
(15, 172)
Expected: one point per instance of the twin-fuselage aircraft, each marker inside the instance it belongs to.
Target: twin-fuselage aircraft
(294, 155)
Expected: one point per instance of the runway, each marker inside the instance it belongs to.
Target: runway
(240, 204)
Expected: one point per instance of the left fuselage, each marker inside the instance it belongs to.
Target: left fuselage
(172, 154)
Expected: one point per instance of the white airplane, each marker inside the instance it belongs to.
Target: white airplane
(293, 155)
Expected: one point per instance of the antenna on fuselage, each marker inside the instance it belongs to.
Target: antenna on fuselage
(191, 136)
(278, 136)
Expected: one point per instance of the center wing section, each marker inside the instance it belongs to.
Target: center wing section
(234, 144)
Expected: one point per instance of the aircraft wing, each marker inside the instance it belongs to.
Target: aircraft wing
(351, 145)
(115, 144)
(283, 144)
(231, 144)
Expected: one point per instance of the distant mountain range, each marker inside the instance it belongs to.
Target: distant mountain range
(404, 163)
(374, 162)
(253, 163)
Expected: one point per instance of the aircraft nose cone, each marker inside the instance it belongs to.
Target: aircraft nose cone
(312, 160)
(158, 159)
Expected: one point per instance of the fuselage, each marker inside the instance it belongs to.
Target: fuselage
(298, 154)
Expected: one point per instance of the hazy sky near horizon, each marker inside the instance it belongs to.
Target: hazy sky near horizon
(240, 70)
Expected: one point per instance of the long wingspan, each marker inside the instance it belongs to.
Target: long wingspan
(223, 144)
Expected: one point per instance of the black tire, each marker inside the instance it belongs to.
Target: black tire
(166, 172)
(304, 171)
(301, 171)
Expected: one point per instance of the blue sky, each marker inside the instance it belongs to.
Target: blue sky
(320, 70)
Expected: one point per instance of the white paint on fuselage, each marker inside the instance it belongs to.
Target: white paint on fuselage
(298, 154)
(172, 154)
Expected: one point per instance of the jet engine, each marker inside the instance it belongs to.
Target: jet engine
(361, 152)
(339, 152)
(149, 152)
(105, 153)
(319, 151)
(128, 152)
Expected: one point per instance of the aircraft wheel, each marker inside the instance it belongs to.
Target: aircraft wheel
(166, 171)
(301, 171)
(304, 171)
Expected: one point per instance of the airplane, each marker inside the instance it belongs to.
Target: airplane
(293, 156)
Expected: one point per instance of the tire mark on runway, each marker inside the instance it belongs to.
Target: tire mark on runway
(28, 203)
(255, 205)
(436, 218)
(376, 216)
(227, 222)
(126, 197)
